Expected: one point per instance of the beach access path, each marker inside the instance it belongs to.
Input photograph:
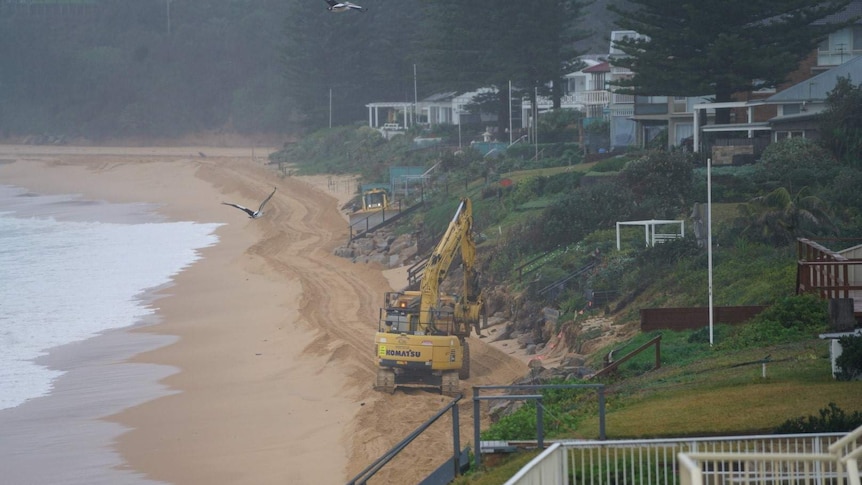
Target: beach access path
(273, 349)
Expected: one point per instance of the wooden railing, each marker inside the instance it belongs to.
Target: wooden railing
(828, 274)
(611, 366)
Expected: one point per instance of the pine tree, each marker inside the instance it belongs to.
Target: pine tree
(841, 123)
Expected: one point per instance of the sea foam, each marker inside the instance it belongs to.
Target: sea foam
(66, 275)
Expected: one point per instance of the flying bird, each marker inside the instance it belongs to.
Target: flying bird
(335, 6)
(251, 213)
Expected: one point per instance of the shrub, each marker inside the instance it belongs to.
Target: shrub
(850, 361)
(582, 211)
(789, 319)
(831, 419)
(614, 164)
(796, 163)
(802, 312)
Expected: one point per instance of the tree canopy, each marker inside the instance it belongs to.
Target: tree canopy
(841, 123)
(718, 48)
(466, 45)
(357, 57)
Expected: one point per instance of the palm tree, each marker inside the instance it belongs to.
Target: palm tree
(778, 218)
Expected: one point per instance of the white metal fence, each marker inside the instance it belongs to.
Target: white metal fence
(657, 461)
(838, 464)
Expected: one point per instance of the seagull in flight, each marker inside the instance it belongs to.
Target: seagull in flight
(335, 6)
(251, 213)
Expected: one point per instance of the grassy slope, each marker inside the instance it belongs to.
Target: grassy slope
(710, 393)
(726, 393)
(709, 396)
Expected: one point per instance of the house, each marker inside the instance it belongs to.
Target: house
(795, 111)
(757, 118)
(392, 118)
(845, 44)
(767, 116)
(590, 90)
(799, 105)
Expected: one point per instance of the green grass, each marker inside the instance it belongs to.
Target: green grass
(724, 392)
(704, 392)
(497, 471)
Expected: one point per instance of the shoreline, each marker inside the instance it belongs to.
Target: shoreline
(272, 332)
(153, 382)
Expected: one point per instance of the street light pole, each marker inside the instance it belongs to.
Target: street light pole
(168, 8)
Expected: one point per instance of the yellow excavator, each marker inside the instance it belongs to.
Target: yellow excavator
(375, 199)
(421, 335)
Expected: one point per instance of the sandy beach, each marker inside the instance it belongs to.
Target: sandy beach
(261, 358)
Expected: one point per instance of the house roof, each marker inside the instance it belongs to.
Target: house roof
(818, 87)
(600, 67)
(441, 97)
(807, 116)
(854, 9)
(589, 61)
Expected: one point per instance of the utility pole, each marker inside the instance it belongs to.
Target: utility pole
(536, 120)
(415, 96)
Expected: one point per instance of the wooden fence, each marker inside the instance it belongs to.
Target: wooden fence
(689, 318)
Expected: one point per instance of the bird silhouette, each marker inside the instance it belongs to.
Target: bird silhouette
(252, 213)
(335, 6)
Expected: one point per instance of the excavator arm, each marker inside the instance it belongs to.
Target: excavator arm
(457, 236)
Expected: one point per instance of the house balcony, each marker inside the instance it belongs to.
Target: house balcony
(587, 98)
(622, 98)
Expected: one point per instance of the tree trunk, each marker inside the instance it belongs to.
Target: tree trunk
(557, 93)
(722, 95)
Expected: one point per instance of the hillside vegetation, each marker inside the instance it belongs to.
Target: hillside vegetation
(556, 215)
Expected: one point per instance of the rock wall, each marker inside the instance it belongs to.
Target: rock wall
(383, 247)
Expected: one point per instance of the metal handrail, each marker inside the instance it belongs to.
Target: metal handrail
(369, 471)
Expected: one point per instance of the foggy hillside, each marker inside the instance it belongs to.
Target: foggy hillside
(123, 68)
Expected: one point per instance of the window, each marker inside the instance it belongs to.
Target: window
(791, 109)
(683, 131)
(784, 135)
(857, 37)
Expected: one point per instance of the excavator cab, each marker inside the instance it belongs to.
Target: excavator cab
(375, 199)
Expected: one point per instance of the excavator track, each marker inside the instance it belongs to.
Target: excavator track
(385, 381)
(450, 385)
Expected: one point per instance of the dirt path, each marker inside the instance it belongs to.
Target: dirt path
(336, 313)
